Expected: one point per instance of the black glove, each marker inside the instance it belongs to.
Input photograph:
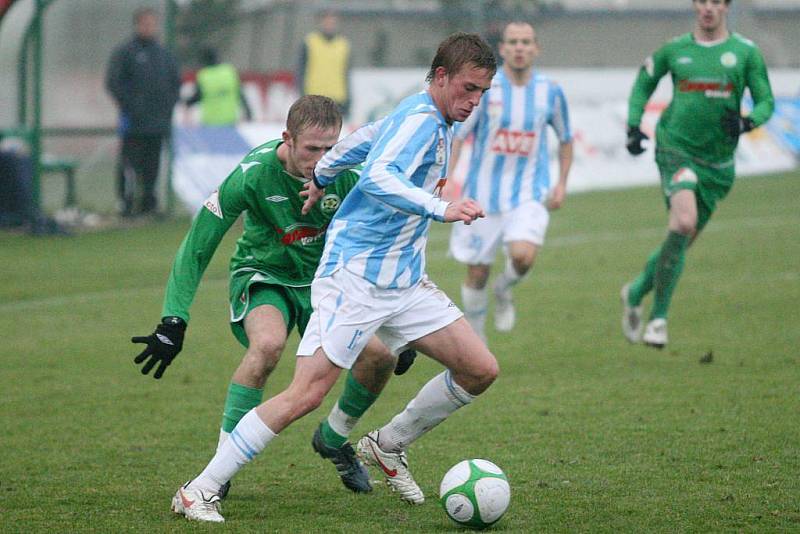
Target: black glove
(634, 141)
(404, 361)
(162, 345)
(734, 124)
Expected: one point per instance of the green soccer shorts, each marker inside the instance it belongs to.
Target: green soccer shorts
(710, 183)
(250, 290)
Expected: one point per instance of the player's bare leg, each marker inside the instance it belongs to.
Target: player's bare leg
(314, 377)
(475, 299)
(266, 333)
(681, 226)
(519, 260)
(471, 368)
(364, 383)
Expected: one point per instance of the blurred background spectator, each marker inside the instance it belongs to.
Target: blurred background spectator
(324, 67)
(144, 81)
(218, 90)
(17, 207)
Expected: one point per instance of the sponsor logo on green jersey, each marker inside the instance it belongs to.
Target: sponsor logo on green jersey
(709, 87)
(301, 232)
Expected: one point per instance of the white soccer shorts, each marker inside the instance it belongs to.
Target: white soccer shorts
(476, 243)
(349, 310)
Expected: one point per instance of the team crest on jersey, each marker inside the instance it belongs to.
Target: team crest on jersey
(330, 203)
(212, 204)
(728, 59)
(440, 152)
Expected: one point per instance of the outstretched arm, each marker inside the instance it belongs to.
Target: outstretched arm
(219, 211)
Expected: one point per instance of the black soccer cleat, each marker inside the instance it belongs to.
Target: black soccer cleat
(353, 474)
(224, 489)
(404, 361)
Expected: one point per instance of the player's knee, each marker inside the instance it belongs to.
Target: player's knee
(377, 358)
(522, 264)
(684, 223)
(480, 375)
(477, 276)
(488, 372)
(264, 353)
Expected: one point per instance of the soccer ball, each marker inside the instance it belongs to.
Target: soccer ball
(475, 493)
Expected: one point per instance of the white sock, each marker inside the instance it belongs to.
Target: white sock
(223, 437)
(340, 422)
(508, 279)
(475, 303)
(437, 399)
(248, 438)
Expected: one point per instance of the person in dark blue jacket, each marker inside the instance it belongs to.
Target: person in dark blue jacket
(143, 79)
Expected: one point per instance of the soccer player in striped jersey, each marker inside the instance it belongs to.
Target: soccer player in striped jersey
(696, 137)
(509, 176)
(371, 281)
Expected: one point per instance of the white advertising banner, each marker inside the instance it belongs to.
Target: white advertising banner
(598, 110)
(205, 156)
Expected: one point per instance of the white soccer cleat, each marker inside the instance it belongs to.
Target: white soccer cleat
(631, 317)
(394, 466)
(504, 314)
(196, 505)
(655, 334)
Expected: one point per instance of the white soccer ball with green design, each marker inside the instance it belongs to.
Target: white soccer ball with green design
(475, 493)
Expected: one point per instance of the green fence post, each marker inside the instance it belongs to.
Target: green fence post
(169, 37)
(36, 127)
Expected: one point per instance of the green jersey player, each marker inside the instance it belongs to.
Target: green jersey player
(271, 273)
(695, 142)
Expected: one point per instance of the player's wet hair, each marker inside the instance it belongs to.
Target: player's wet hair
(461, 49)
(310, 111)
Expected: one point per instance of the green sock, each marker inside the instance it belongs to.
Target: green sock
(240, 400)
(355, 400)
(644, 282)
(668, 270)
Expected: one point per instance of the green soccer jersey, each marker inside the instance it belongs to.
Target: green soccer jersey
(277, 241)
(707, 81)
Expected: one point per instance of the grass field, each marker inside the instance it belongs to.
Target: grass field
(595, 434)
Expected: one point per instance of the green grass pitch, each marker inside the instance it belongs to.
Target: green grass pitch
(594, 434)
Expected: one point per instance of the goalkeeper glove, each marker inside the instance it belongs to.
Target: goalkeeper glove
(734, 124)
(634, 141)
(162, 345)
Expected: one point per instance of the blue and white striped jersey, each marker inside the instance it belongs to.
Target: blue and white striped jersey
(509, 163)
(381, 228)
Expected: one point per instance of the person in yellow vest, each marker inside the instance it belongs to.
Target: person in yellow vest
(325, 63)
(219, 92)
